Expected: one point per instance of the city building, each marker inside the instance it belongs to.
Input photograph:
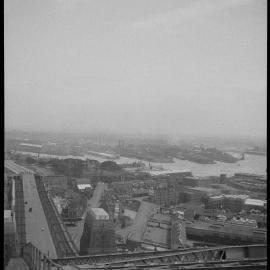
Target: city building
(197, 194)
(223, 232)
(250, 182)
(235, 203)
(255, 204)
(166, 195)
(84, 187)
(194, 181)
(98, 234)
(57, 183)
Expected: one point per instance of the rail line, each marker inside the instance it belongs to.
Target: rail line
(63, 245)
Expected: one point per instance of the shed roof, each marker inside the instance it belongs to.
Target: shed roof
(255, 202)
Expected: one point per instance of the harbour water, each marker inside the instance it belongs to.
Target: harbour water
(251, 164)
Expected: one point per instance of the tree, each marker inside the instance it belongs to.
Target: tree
(109, 166)
(30, 160)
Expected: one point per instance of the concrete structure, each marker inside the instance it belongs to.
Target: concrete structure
(99, 233)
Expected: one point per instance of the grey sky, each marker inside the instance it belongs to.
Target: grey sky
(167, 66)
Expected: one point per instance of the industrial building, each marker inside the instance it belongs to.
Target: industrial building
(251, 182)
(197, 194)
(165, 195)
(199, 181)
(29, 147)
(234, 203)
(57, 183)
(255, 204)
(98, 234)
(222, 232)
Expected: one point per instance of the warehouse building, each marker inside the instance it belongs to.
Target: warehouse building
(57, 183)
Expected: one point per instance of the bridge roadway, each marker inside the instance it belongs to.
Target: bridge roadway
(16, 168)
(50, 238)
(37, 229)
(36, 226)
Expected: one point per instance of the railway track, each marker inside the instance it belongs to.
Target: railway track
(63, 245)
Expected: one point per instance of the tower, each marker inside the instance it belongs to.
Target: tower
(99, 233)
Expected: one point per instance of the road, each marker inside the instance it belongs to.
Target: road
(95, 200)
(36, 226)
(76, 232)
(17, 264)
(136, 230)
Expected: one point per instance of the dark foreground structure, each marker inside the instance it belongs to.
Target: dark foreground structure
(98, 235)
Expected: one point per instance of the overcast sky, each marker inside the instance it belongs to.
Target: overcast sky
(153, 66)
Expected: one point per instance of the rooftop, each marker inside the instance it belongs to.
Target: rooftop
(31, 144)
(255, 202)
(99, 213)
(203, 189)
(242, 196)
(7, 214)
(250, 175)
(83, 186)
